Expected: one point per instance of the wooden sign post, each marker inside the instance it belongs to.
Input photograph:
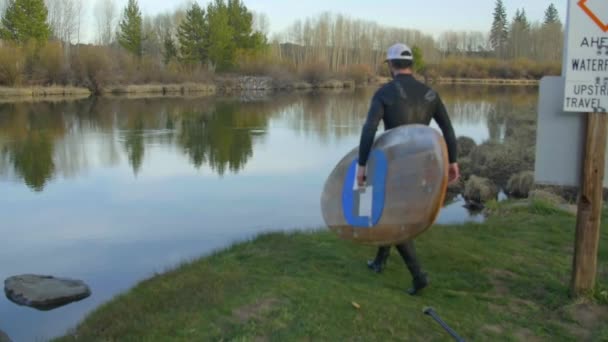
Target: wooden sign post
(586, 91)
(590, 206)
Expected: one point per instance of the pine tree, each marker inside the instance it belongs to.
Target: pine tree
(193, 35)
(222, 44)
(241, 21)
(500, 32)
(519, 35)
(551, 15)
(24, 20)
(522, 19)
(419, 64)
(130, 35)
(170, 51)
(552, 35)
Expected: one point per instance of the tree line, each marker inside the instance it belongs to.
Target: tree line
(520, 38)
(337, 41)
(213, 36)
(41, 44)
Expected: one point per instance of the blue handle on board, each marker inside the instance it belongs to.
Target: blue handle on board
(355, 200)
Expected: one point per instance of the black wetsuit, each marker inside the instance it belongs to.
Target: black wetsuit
(404, 101)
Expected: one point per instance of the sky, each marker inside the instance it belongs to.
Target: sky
(429, 16)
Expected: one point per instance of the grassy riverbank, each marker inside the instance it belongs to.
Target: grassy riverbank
(506, 279)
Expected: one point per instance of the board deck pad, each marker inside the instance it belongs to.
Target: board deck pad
(405, 188)
(363, 206)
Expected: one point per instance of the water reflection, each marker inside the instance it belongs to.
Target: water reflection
(41, 141)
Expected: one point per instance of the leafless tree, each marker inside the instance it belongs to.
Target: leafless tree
(261, 23)
(64, 18)
(106, 15)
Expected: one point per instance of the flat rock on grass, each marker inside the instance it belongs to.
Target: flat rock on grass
(44, 292)
(4, 337)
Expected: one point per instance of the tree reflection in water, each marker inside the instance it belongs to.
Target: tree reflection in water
(47, 140)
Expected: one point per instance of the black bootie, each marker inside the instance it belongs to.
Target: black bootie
(419, 279)
(377, 265)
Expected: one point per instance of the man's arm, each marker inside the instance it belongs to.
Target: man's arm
(443, 120)
(375, 114)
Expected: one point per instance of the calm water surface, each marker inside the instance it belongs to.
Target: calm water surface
(112, 190)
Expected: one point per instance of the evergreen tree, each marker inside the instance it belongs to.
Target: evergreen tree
(419, 64)
(519, 35)
(193, 35)
(522, 19)
(24, 20)
(130, 35)
(552, 35)
(222, 44)
(551, 15)
(499, 33)
(170, 51)
(241, 21)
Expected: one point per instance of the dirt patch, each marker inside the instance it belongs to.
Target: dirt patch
(516, 306)
(254, 310)
(526, 335)
(494, 329)
(588, 315)
(495, 307)
(577, 331)
(520, 306)
(499, 279)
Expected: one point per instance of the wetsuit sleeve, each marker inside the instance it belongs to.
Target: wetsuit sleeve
(375, 114)
(443, 120)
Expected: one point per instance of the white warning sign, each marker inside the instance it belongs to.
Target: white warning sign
(587, 57)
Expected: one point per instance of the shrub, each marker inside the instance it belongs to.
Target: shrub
(466, 67)
(91, 66)
(466, 168)
(149, 70)
(498, 162)
(520, 185)
(480, 190)
(547, 197)
(360, 73)
(51, 66)
(315, 73)
(465, 146)
(124, 67)
(12, 64)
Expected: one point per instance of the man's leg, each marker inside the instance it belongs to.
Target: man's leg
(408, 253)
(377, 265)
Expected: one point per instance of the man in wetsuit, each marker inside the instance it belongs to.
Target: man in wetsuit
(405, 101)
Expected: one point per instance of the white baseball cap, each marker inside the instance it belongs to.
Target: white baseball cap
(399, 51)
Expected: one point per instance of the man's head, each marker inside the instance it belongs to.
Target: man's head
(400, 58)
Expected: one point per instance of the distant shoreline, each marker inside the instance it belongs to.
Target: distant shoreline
(228, 85)
(488, 81)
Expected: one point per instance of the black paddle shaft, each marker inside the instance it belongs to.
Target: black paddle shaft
(432, 313)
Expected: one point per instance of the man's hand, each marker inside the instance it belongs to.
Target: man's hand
(453, 173)
(361, 175)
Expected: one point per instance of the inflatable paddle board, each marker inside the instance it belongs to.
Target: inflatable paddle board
(407, 178)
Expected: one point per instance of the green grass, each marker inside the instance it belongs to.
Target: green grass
(504, 280)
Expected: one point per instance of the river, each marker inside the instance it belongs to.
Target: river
(112, 190)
